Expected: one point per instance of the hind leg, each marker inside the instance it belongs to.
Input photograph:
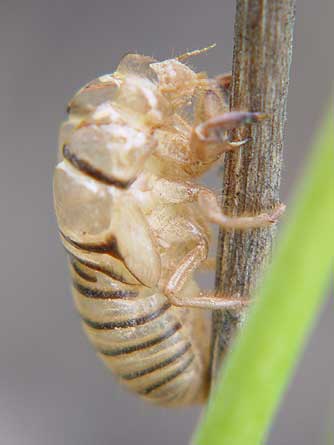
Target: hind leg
(205, 299)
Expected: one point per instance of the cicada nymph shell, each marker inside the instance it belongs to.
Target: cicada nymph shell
(135, 223)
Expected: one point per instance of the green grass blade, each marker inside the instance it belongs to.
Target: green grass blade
(259, 366)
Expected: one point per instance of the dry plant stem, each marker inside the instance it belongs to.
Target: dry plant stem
(251, 176)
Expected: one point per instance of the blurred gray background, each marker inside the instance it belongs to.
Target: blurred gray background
(52, 388)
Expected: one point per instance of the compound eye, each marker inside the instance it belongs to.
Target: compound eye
(143, 100)
(176, 80)
(83, 207)
(137, 65)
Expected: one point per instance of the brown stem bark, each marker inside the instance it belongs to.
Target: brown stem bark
(251, 176)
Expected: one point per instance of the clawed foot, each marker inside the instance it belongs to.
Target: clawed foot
(273, 217)
(210, 138)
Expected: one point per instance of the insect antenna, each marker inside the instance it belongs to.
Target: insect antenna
(196, 52)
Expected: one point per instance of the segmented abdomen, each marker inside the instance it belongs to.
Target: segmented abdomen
(138, 334)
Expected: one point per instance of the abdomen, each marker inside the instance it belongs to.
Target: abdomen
(146, 342)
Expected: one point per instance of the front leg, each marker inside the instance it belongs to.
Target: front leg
(209, 136)
(209, 139)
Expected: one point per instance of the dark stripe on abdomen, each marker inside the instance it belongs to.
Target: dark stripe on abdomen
(103, 294)
(110, 273)
(109, 248)
(81, 272)
(169, 378)
(144, 345)
(96, 268)
(159, 365)
(128, 323)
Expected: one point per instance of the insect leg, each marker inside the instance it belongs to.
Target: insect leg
(208, 202)
(229, 120)
(210, 300)
(209, 137)
(205, 299)
(183, 271)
